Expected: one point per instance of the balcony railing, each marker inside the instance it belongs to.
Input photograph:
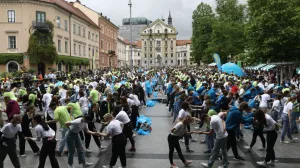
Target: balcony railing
(111, 52)
(40, 25)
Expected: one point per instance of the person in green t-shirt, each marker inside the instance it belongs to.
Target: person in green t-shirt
(32, 97)
(22, 92)
(11, 95)
(209, 139)
(94, 95)
(76, 110)
(61, 115)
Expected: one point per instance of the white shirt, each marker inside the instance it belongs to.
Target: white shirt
(63, 93)
(84, 103)
(217, 126)
(182, 114)
(179, 129)
(264, 100)
(261, 86)
(76, 88)
(276, 105)
(114, 128)
(47, 99)
(10, 131)
(287, 106)
(135, 99)
(130, 102)
(78, 125)
(123, 117)
(270, 123)
(41, 133)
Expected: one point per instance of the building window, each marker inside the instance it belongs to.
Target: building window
(145, 48)
(83, 31)
(66, 25)
(12, 66)
(145, 62)
(171, 61)
(84, 51)
(138, 54)
(166, 55)
(150, 62)
(89, 52)
(150, 55)
(166, 61)
(74, 28)
(59, 67)
(93, 53)
(40, 17)
(166, 43)
(79, 48)
(185, 54)
(89, 35)
(158, 43)
(145, 43)
(93, 36)
(102, 45)
(74, 49)
(158, 31)
(11, 15)
(172, 42)
(79, 30)
(66, 47)
(109, 46)
(59, 45)
(145, 55)
(12, 42)
(171, 55)
(58, 21)
(96, 37)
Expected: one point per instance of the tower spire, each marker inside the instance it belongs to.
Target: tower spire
(170, 18)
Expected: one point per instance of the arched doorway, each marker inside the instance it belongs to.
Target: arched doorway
(41, 68)
(178, 62)
(12, 66)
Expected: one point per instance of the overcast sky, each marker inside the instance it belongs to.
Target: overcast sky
(181, 11)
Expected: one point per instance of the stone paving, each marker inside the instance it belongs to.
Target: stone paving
(152, 150)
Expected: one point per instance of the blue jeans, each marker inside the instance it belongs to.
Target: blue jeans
(73, 141)
(294, 117)
(62, 143)
(286, 127)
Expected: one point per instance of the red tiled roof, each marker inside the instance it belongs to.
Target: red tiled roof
(183, 42)
(70, 8)
(139, 44)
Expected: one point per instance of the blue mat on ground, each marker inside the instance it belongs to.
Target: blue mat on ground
(143, 119)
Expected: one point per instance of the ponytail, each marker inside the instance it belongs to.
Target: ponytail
(38, 120)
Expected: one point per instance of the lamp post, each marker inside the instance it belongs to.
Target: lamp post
(131, 62)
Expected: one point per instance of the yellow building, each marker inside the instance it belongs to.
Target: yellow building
(75, 36)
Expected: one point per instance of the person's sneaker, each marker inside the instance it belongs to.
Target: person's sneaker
(103, 147)
(189, 150)
(88, 150)
(107, 166)
(167, 107)
(239, 158)
(23, 155)
(193, 140)
(285, 142)
(182, 140)
(204, 165)
(271, 163)
(37, 153)
(208, 151)
(261, 149)
(132, 149)
(294, 139)
(133, 136)
(187, 162)
(263, 164)
(173, 166)
(69, 166)
(197, 128)
(247, 147)
(87, 164)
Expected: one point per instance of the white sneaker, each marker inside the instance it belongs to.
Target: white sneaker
(204, 165)
(285, 142)
(261, 149)
(271, 163)
(23, 155)
(87, 164)
(294, 139)
(133, 136)
(194, 140)
(88, 150)
(69, 166)
(182, 141)
(247, 147)
(103, 147)
(107, 166)
(263, 164)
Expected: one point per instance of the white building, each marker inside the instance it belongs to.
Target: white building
(136, 53)
(183, 50)
(121, 52)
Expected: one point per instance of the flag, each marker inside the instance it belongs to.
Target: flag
(217, 61)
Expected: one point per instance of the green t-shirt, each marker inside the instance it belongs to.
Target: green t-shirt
(210, 113)
(32, 97)
(95, 95)
(62, 115)
(76, 109)
(11, 95)
(22, 92)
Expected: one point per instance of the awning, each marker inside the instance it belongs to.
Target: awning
(268, 67)
(212, 64)
(259, 66)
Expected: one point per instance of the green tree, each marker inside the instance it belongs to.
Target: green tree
(274, 30)
(228, 39)
(203, 19)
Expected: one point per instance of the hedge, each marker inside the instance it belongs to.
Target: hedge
(6, 57)
(72, 60)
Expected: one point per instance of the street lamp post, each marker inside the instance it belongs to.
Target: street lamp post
(131, 62)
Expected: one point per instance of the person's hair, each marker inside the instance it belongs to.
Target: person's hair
(187, 119)
(116, 110)
(25, 98)
(260, 117)
(81, 93)
(67, 100)
(38, 119)
(185, 105)
(279, 96)
(244, 106)
(108, 115)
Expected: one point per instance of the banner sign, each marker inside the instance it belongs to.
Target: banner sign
(217, 61)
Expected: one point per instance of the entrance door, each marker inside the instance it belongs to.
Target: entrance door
(41, 69)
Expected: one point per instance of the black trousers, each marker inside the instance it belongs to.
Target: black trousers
(231, 142)
(22, 141)
(48, 149)
(10, 150)
(259, 133)
(127, 131)
(91, 127)
(271, 140)
(134, 115)
(118, 149)
(174, 144)
(168, 99)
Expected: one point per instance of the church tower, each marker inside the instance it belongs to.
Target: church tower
(170, 18)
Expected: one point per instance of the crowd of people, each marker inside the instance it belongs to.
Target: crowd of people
(220, 104)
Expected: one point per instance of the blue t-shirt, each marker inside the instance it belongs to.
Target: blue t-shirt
(196, 99)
